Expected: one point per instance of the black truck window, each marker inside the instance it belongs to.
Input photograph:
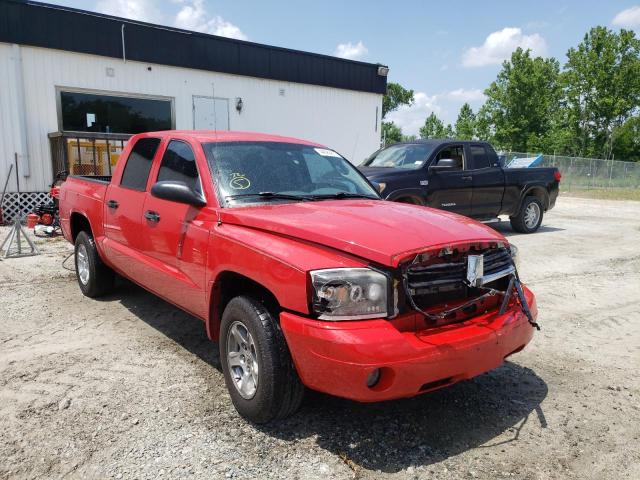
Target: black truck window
(479, 157)
(455, 153)
(179, 164)
(136, 170)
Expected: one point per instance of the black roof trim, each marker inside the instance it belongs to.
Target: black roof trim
(439, 141)
(52, 26)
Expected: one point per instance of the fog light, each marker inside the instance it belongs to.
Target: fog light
(373, 378)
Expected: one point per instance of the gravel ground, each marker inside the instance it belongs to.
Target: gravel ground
(130, 387)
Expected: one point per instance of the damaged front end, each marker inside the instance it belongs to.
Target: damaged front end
(456, 283)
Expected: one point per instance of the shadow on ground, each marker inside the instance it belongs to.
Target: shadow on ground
(184, 329)
(505, 229)
(388, 436)
(392, 436)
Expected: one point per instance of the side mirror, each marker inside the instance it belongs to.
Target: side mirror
(445, 164)
(177, 192)
(378, 186)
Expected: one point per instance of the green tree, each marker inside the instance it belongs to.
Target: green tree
(434, 128)
(483, 126)
(601, 80)
(391, 133)
(396, 96)
(521, 100)
(626, 140)
(449, 132)
(466, 123)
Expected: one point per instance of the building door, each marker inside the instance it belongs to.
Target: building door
(210, 113)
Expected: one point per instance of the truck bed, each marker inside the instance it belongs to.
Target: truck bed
(93, 178)
(85, 193)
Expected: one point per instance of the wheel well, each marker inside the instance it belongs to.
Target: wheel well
(79, 223)
(229, 285)
(539, 193)
(410, 199)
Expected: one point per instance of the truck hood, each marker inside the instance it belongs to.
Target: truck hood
(379, 231)
(382, 173)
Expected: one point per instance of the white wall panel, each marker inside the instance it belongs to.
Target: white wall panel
(341, 119)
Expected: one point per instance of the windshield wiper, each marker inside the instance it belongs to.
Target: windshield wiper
(339, 195)
(268, 195)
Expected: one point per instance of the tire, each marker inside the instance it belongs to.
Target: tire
(529, 217)
(278, 392)
(94, 277)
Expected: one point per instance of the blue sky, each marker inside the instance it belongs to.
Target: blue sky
(448, 52)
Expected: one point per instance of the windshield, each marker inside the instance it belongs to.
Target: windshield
(250, 172)
(409, 156)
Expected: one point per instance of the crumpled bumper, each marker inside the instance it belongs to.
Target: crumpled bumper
(338, 357)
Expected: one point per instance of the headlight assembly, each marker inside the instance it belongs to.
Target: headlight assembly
(349, 293)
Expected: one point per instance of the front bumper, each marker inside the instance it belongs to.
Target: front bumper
(337, 357)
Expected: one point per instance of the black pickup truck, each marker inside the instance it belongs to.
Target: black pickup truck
(464, 177)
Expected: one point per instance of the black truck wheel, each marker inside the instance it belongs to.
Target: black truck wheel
(94, 277)
(529, 217)
(257, 366)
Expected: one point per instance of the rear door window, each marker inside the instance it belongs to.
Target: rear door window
(179, 164)
(136, 170)
(479, 157)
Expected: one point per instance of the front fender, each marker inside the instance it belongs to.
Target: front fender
(415, 193)
(278, 263)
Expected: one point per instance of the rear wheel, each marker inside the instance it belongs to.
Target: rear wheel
(257, 366)
(529, 217)
(94, 277)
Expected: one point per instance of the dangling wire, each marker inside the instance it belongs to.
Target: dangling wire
(65, 261)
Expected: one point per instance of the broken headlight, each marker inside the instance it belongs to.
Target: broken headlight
(514, 255)
(349, 293)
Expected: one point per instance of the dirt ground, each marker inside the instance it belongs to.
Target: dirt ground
(130, 387)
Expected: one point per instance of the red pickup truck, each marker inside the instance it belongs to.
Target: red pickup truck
(298, 268)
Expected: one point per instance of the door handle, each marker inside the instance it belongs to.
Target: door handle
(467, 178)
(152, 216)
(112, 204)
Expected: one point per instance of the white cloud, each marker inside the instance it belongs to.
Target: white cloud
(410, 119)
(499, 45)
(629, 18)
(350, 50)
(462, 95)
(194, 16)
(445, 105)
(141, 10)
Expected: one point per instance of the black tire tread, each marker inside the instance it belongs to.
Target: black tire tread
(289, 391)
(101, 278)
(517, 221)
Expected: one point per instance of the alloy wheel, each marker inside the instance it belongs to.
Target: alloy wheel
(242, 360)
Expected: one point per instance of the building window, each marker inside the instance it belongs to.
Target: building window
(95, 112)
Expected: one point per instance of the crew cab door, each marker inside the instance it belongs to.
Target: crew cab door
(488, 181)
(123, 208)
(175, 237)
(450, 189)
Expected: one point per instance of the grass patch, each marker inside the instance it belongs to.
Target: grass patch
(605, 193)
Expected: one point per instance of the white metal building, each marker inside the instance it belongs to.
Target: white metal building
(89, 76)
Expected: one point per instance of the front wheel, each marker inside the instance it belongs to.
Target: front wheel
(529, 217)
(257, 366)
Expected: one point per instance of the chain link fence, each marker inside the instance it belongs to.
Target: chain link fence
(586, 173)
